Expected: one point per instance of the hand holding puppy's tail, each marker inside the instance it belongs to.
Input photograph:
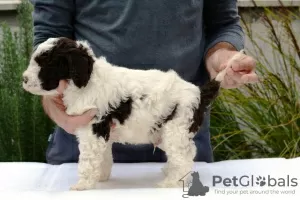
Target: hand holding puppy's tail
(210, 90)
(221, 75)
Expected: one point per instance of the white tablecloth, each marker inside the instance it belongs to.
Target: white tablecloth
(137, 181)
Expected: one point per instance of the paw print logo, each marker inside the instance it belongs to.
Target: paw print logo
(261, 181)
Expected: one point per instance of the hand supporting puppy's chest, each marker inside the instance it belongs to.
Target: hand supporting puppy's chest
(76, 102)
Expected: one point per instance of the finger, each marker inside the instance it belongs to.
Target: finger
(230, 84)
(214, 72)
(59, 103)
(249, 78)
(242, 77)
(236, 81)
(246, 64)
(57, 114)
(61, 107)
(232, 75)
(221, 67)
(62, 86)
(58, 100)
(232, 79)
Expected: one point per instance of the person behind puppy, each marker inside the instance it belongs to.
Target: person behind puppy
(196, 38)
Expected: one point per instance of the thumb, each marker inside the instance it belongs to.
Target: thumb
(63, 84)
(221, 67)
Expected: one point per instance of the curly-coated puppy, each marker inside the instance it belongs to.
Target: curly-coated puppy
(146, 105)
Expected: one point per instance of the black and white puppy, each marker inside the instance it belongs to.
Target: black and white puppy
(146, 105)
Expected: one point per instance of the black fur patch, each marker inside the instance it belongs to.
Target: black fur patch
(66, 60)
(209, 92)
(159, 124)
(102, 129)
(121, 113)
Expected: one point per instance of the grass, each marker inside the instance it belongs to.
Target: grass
(254, 121)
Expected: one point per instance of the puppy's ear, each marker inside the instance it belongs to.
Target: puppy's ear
(80, 66)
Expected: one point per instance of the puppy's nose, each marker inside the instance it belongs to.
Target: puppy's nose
(25, 79)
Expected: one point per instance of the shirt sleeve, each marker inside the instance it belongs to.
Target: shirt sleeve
(222, 24)
(52, 18)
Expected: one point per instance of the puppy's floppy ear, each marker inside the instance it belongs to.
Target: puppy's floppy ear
(64, 59)
(80, 66)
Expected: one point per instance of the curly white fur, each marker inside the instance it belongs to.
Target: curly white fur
(109, 84)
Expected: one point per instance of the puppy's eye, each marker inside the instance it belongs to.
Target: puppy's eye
(43, 58)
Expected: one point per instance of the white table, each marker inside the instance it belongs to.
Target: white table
(137, 181)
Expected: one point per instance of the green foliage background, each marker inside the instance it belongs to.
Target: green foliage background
(263, 120)
(24, 128)
(255, 121)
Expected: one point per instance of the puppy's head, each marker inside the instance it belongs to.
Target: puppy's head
(58, 59)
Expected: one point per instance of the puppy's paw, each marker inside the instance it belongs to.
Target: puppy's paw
(104, 178)
(165, 171)
(169, 184)
(82, 185)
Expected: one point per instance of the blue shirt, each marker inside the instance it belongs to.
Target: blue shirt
(145, 34)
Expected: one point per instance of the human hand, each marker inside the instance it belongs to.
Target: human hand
(241, 71)
(55, 109)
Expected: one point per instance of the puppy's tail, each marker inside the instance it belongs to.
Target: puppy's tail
(210, 90)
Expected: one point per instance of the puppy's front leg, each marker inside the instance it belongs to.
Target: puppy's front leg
(107, 163)
(92, 149)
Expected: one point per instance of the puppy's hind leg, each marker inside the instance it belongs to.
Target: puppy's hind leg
(92, 149)
(180, 150)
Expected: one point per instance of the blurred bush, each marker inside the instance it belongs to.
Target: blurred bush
(263, 120)
(24, 128)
